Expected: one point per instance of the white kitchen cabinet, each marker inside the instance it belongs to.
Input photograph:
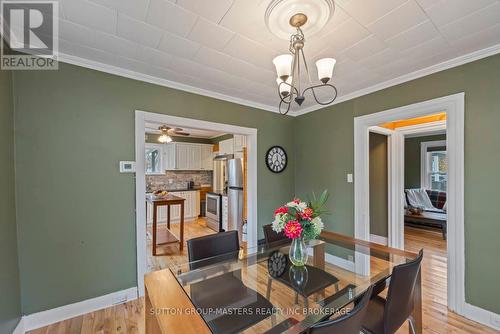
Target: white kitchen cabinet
(239, 142)
(188, 156)
(226, 146)
(169, 158)
(194, 157)
(191, 208)
(182, 156)
(207, 162)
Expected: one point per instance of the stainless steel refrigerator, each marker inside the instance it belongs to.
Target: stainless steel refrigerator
(235, 195)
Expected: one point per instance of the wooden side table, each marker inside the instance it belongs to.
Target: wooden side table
(165, 236)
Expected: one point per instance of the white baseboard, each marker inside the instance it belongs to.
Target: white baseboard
(335, 260)
(20, 327)
(378, 239)
(482, 316)
(45, 318)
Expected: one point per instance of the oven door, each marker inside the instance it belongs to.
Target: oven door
(213, 211)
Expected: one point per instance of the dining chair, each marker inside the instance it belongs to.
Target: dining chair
(212, 248)
(350, 323)
(274, 238)
(386, 316)
(226, 290)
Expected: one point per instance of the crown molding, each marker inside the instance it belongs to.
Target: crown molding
(94, 65)
(467, 58)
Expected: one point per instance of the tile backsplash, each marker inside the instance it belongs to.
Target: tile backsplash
(177, 179)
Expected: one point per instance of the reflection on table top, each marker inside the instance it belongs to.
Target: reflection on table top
(260, 291)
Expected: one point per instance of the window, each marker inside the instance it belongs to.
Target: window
(437, 170)
(434, 165)
(154, 159)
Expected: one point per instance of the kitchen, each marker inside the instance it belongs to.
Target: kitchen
(205, 168)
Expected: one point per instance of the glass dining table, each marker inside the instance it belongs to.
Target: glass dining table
(258, 290)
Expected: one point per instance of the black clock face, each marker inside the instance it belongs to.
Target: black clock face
(276, 264)
(276, 159)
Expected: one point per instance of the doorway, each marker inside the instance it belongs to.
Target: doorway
(454, 107)
(143, 118)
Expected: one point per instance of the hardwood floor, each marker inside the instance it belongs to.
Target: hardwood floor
(169, 254)
(128, 318)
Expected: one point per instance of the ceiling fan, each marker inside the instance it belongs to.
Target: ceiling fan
(167, 132)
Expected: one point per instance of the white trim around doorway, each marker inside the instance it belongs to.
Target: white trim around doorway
(141, 117)
(453, 105)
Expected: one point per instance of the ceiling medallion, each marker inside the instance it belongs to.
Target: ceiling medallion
(290, 19)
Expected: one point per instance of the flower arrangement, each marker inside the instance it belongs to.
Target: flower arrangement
(299, 219)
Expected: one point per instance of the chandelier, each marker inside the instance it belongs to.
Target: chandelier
(292, 66)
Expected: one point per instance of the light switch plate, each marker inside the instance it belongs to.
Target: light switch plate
(349, 178)
(127, 166)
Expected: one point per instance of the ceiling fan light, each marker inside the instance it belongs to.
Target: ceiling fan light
(283, 64)
(325, 69)
(164, 139)
(285, 88)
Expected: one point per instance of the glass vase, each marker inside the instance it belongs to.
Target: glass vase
(298, 252)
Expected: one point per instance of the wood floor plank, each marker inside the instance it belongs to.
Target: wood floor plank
(437, 319)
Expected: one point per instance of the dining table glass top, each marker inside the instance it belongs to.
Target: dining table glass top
(258, 290)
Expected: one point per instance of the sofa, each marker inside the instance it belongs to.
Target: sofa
(433, 204)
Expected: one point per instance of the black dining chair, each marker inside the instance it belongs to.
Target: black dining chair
(274, 238)
(350, 323)
(386, 316)
(225, 290)
(213, 248)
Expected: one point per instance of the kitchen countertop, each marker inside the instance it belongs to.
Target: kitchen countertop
(179, 190)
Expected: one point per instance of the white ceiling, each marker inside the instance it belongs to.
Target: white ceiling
(223, 46)
(196, 133)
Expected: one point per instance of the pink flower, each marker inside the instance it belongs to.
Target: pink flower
(281, 210)
(293, 229)
(307, 214)
(296, 201)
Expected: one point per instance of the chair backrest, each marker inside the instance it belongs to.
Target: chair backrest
(213, 245)
(273, 237)
(399, 305)
(349, 323)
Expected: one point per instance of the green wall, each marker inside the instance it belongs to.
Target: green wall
(10, 300)
(412, 159)
(379, 187)
(324, 154)
(75, 210)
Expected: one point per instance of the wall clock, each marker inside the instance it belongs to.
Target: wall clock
(276, 159)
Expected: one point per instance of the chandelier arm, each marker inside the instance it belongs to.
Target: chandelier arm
(287, 108)
(298, 71)
(323, 85)
(306, 67)
(288, 98)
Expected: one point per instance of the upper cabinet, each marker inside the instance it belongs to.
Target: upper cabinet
(188, 156)
(233, 145)
(154, 159)
(239, 142)
(226, 146)
(207, 157)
